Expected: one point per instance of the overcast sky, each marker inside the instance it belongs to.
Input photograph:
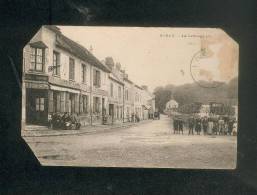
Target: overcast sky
(155, 56)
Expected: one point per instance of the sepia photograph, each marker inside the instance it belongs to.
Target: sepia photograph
(139, 97)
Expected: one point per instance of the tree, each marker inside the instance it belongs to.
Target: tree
(162, 96)
(193, 92)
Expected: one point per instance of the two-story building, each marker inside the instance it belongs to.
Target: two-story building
(128, 99)
(148, 103)
(138, 101)
(61, 76)
(116, 92)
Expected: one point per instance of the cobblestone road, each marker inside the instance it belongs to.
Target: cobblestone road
(151, 144)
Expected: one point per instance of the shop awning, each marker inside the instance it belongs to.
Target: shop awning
(57, 88)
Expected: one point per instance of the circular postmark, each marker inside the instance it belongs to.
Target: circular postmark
(201, 71)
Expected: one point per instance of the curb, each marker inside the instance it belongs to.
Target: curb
(91, 132)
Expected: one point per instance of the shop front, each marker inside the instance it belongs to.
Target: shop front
(63, 100)
(36, 106)
(35, 99)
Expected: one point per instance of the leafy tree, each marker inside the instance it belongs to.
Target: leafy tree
(193, 92)
(162, 96)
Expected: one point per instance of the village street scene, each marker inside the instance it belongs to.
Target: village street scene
(82, 105)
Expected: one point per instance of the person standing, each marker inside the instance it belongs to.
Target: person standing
(198, 126)
(221, 126)
(205, 125)
(215, 127)
(210, 127)
(234, 132)
(225, 128)
(180, 124)
(230, 126)
(191, 126)
(175, 125)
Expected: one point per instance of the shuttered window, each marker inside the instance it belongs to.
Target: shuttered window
(62, 101)
(96, 78)
(50, 99)
(56, 101)
(111, 89)
(119, 92)
(96, 104)
(71, 69)
(56, 63)
(84, 104)
(126, 94)
(83, 72)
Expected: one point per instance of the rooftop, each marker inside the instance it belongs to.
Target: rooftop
(76, 49)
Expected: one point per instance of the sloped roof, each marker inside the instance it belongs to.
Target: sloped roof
(139, 87)
(129, 81)
(115, 78)
(76, 49)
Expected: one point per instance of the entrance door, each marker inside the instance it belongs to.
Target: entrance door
(111, 110)
(36, 106)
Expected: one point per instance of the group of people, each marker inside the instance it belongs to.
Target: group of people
(178, 125)
(207, 125)
(65, 121)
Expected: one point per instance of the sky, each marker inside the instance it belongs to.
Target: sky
(161, 56)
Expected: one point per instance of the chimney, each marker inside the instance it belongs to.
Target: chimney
(91, 49)
(109, 62)
(118, 66)
(145, 87)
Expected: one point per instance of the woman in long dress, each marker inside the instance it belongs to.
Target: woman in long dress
(210, 127)
(234, 128)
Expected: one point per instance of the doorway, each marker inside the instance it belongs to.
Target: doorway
(36, 106)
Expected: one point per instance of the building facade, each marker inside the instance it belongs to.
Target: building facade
(60, 76)
(128, 99)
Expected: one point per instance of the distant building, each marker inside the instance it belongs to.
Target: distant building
(115, 97)
(204, 110)
(148, 103)
(128, 98)
(171, 104)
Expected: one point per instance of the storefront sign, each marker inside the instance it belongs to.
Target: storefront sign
(100, 92)
(34, 85)
(35, 77)
(64, 83)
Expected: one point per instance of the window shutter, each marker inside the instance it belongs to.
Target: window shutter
(27, 60)
(99, 79)
(62, 101)
(82, 73)
(94, 76)
(45, 60)
(50, 101)
(76, 103)
(80, 104)
(58, 106)
(67, 97)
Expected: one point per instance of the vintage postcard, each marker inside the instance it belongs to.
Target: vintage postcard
(131, 97)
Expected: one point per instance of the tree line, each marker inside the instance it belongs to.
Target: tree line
(226, 93)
